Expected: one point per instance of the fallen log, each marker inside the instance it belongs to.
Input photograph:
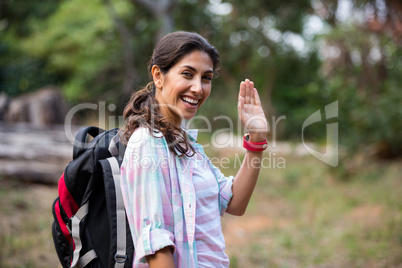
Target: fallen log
(30, 154)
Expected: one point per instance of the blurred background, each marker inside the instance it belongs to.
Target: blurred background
(302, 55)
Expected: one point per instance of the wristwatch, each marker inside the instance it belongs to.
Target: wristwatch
(254, 146)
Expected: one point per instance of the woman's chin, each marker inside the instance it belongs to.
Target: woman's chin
(188, 117)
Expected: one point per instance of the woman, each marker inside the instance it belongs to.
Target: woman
(172, 193)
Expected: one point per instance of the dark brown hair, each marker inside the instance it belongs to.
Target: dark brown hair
(142, 109)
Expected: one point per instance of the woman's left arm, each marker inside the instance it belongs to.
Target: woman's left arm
(253, 119)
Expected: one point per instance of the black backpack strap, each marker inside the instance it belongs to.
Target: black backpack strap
(81, 139)
(116, 209)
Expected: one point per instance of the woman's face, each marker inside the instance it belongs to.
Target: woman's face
(185, 86)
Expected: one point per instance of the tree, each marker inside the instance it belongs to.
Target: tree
(100, 52)
(19, 72)
(161, 13)
(362, 71)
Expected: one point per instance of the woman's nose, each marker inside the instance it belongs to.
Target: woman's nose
(196, 87)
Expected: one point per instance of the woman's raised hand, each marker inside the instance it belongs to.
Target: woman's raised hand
(251, 113)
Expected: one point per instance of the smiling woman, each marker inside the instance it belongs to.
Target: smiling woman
(173, 207)
(185, 86)
(182, 68)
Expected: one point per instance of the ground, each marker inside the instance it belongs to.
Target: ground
(303, 215)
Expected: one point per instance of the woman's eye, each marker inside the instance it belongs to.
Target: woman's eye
(207, 77)
(188, 74)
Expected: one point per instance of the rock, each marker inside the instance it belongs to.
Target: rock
(42, 108)
(4, 102)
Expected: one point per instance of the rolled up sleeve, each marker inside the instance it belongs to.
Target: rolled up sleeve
(152, 240)
(146, 189)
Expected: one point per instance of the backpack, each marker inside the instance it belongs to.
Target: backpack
(90, 227)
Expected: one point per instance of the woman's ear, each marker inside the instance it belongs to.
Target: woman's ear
(157, 76)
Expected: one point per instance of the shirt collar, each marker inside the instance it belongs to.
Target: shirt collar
(192, 133)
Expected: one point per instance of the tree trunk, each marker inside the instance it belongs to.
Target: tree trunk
(160, 10)
(130, 73)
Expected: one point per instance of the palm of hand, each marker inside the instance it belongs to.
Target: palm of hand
(250, 110)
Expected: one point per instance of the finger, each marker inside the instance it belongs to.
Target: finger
(257, 97)
(247, 99)
(242, 91)
(252, 99)
(240, 107)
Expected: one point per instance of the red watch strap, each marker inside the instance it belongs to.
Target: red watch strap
(254, 146)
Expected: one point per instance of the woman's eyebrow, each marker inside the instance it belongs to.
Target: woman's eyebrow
(194, 70)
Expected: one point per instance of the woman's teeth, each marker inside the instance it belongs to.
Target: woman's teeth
(189, 100)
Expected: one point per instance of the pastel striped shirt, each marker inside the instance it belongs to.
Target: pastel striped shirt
(174, 201)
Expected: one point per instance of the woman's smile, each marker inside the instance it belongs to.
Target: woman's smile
(190, 101)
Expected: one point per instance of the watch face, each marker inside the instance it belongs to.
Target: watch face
(247, 137)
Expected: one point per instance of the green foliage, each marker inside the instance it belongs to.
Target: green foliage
(82, 48)
(17, 15)
(368, 91)
(78, 47)
(19, 72)
(281, 74)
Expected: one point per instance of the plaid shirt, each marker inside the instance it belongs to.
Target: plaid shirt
(174, 201)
